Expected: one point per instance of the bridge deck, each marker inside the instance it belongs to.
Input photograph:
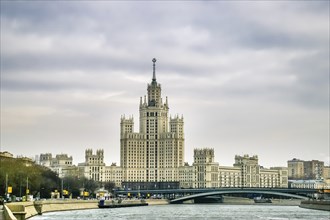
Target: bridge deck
(265, 191)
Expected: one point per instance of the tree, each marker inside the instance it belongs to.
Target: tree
(90, 185)
(109, 186)
(23, 174)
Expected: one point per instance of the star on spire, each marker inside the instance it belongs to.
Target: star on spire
(154, 70)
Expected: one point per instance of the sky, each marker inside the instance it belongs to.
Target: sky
(249, 77)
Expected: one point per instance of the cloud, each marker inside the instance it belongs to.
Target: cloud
(247, 76)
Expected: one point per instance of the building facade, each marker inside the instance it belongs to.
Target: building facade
(296, 168)
(326, 172)
(154, 156)
(246, 172)
(314, 169)
(306, 170)
(309, 184)
(60, 164)
(206, 171)
(114, 174)
(94, 166)
(95, 169)
(156, 152)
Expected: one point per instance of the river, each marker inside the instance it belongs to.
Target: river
(192, 211)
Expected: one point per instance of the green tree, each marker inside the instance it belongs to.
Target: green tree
(73, 185)
(91, 186)
(23, 174)
(109, 186)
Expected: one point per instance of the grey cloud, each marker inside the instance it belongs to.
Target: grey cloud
(227, 65)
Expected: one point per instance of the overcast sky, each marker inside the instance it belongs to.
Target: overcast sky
(248, 77)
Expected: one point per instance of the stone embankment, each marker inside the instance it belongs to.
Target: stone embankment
(246, 201)
(157, 201)
(25, 210)
(314, 204)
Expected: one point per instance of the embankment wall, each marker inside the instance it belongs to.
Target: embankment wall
(319, 205)
(31, 209)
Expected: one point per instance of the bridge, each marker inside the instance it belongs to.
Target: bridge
(180, 195)
(236, 191)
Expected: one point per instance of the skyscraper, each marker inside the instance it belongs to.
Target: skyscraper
(155, 152)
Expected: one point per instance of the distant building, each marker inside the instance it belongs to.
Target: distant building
(154, 156)
(296, 169)
(307, 170)
(46, 159)
(308, 184)
(250, 170)
(186, 176)
(94, 166)
(313, 169)
(326, 172)
(246, 172)
(60, 164)
(206, 171)
(6, 154)
(114, 174)
(308, 174)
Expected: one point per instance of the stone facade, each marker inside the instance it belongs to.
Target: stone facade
(155, 153)
(246, 172)
(314, 169)
(309, 184)
(296, 169)
(114, 174)
(308, 170)
(186, 176)
(61, 164)
(326, 172)
(94, 166)
(206, 171)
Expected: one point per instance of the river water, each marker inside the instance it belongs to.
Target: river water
(192, 211)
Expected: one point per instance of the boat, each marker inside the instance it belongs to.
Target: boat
(262, 200)
(103, 204)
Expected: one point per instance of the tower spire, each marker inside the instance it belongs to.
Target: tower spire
(154, 70)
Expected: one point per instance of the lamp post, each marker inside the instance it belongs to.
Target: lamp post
(62, 189)
(6, 189)
(27, 186)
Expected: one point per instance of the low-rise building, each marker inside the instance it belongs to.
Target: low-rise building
(246, 172)
(308, 184)
(326, 172)
(230, 176)
(6, 154)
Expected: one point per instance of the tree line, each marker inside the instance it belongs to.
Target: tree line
(20, 174)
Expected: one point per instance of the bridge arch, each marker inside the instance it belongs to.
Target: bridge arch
(199, 195)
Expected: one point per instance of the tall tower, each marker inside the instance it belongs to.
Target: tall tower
(157, 150)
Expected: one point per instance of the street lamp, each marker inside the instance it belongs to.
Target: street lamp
(62, 188)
